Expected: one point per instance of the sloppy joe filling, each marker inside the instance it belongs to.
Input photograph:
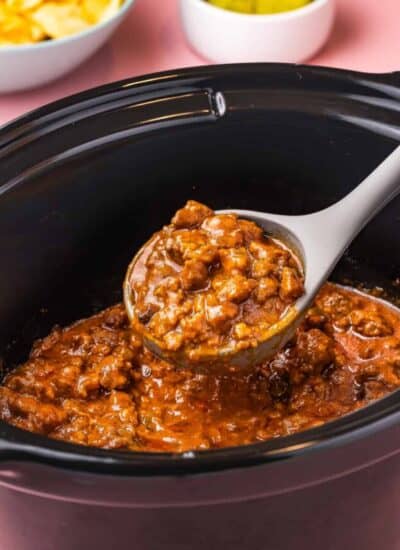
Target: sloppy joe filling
(210, 282)
(93, 383)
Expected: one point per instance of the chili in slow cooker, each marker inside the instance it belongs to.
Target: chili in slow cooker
(93, 383)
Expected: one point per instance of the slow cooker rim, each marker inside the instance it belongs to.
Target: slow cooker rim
(168, 79)
(17, 444)
(23, 446)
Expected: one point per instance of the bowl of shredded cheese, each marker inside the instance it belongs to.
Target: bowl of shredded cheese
(282, 31)
(41, 40)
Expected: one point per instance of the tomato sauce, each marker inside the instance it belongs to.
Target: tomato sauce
(209, 285)
(94, 384)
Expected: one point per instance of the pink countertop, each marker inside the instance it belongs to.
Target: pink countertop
(366, 37)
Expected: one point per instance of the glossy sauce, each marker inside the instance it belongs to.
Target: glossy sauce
(211, 282)
(94, 384)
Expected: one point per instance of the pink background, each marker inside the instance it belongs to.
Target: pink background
(366, 37)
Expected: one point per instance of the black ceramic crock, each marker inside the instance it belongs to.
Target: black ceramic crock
(83, 183)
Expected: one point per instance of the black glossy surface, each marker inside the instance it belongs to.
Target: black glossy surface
(110, 166)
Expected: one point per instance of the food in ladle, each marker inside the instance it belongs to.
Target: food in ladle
(210, 285)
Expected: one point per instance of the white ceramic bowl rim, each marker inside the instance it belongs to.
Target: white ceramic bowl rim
(53, 42)
(257, 17)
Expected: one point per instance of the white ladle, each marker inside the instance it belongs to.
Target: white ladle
(320, 240)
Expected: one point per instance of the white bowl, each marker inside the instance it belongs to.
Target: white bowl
(228, 37)
(31, 65)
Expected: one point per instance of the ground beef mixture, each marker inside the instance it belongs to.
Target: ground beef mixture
(211, 282)
(94, 384)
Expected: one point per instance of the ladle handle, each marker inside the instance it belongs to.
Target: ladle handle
(327, 234)
(353, 212)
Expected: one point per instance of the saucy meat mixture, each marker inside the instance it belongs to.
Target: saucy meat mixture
(93, 383)
(210, 282)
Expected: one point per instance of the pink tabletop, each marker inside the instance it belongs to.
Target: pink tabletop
(366, 37)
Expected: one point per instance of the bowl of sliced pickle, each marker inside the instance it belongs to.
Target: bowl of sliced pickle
(280, 31)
